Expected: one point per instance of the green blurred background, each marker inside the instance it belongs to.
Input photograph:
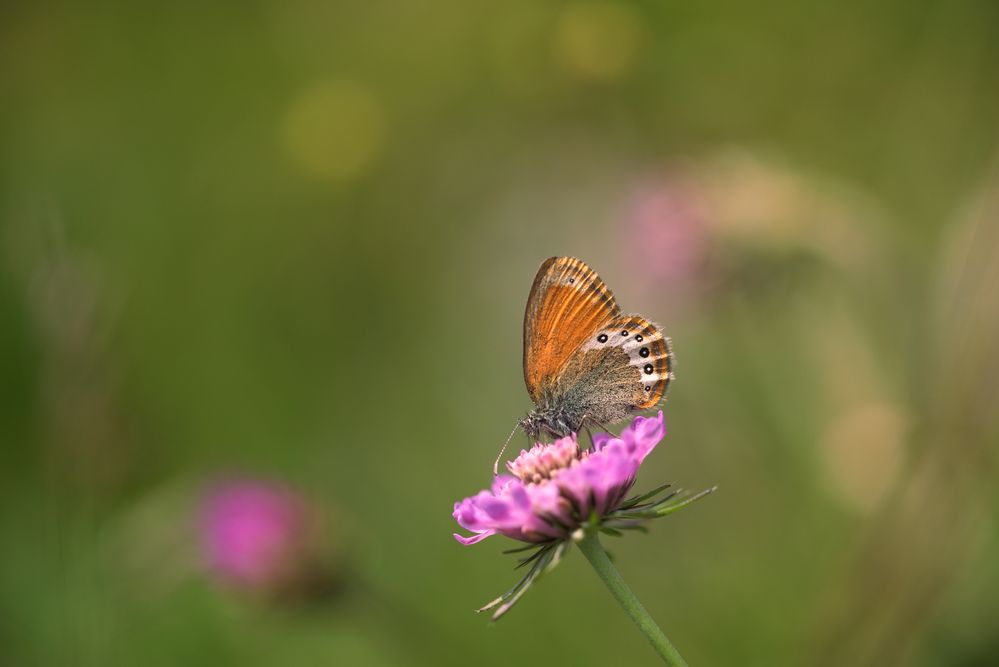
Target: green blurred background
(290, 242)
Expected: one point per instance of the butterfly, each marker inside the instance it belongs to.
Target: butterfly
(585, 362)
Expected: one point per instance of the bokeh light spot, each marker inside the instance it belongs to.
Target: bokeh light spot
(334, 131)
(598, 41)
(863, 453)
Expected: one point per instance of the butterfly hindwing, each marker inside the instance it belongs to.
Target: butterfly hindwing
(643, 347)
(567, 305)
(624, 366)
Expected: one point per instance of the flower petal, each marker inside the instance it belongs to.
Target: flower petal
(474, 538)
(600, 440)
(555, 487)
(644, 434)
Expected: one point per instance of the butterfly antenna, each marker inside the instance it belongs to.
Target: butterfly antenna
(503, 449)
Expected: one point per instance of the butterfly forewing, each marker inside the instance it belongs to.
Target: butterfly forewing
(567, 305)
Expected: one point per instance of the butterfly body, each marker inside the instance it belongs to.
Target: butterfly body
(584, 360)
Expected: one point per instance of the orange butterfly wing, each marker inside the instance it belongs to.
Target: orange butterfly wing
(567, 305)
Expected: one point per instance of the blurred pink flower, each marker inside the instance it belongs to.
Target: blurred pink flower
(258, 535)
(666, 233)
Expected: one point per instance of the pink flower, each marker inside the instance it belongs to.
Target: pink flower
(555, 488)
(669, 214)
(557, 491)
(257, 535)
(670, 218)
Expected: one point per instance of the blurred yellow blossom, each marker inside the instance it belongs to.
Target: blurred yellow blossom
(334, 130)
(598, 41)
(863, 449)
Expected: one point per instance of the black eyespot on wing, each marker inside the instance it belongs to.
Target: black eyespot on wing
(602, 338)
(624, 333)
(651, 357)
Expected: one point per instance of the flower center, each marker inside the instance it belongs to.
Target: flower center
(543, 461)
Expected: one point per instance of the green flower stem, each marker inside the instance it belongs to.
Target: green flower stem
(594, 552)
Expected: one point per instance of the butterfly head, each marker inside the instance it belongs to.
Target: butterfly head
(555, 421)
(555, 418)
(531, 425)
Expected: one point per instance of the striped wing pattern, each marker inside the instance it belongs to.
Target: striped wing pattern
(567, 305)
(647, 349)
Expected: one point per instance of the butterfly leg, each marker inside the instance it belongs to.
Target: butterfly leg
(603, 427)
(555, 434)
(584, 427)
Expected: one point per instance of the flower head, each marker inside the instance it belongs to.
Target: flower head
(556, 490)
(258, 536)
(670, 214)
